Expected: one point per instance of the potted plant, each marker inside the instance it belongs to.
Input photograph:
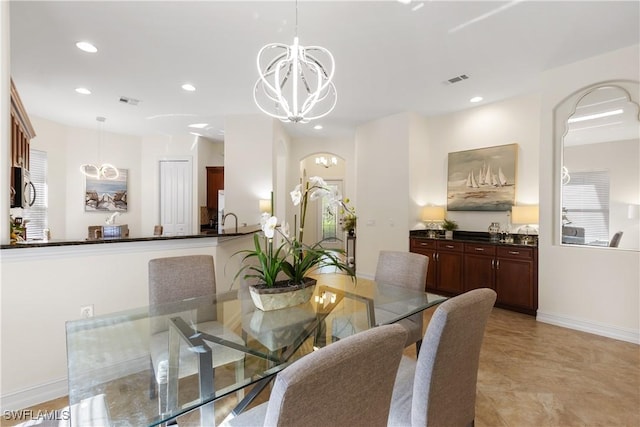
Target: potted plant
(349, 218)
(448, 226)
(279, 262)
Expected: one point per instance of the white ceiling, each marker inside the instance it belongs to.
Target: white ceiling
(389, 58)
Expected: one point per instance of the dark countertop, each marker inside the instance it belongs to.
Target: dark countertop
(242, 231)
(476, 237)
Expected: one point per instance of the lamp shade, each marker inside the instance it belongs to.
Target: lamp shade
(433, 213)
(265, 206)
(524, 214)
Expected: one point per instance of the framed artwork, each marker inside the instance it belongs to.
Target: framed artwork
(483, 179)
(106, 195)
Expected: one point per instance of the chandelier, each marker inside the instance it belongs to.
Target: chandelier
(295, 81)
(326, 162)
(104, 171)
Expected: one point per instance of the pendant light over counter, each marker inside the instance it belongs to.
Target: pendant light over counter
(105, 170)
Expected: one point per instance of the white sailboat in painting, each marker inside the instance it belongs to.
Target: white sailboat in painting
(501, 178)
(488, 176)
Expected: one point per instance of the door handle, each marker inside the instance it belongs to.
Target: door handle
(514, 252)
(480, 249)
(498, 264)
(493, 263)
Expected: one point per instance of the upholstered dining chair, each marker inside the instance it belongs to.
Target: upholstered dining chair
(174, 279)
(347, 383)
(439, 389)
(409, 270)
(615, 240)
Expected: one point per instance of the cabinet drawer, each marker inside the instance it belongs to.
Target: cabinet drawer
(418, 244)
(450, 246)
(480, 249)
(515, 252)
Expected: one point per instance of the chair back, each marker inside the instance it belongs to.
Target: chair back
(347, 383)
(406, 269)
(615, 240)
(174, 279)
(444, 389)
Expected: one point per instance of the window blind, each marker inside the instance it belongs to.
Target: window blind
(37, 214)
(586, 200)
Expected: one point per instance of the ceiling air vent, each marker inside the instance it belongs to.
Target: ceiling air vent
(130, 101)
(456, 79)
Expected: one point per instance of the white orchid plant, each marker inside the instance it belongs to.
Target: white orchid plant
(292, 257)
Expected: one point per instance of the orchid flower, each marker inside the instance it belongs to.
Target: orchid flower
(269, 227)
(296, 195)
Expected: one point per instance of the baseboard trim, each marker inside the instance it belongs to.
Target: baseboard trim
(622, 334)
(34, 395)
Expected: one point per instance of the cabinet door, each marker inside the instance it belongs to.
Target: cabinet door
(427, 248)
(449, 272)
(479, 272)
(215, 182)
(514, 282)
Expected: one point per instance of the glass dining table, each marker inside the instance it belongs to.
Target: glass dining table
(211, 356)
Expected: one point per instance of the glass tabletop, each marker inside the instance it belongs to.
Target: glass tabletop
(149, 365)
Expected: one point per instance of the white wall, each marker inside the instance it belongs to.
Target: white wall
(248, 165)
(515, 120)
(382, 186)
(584, 288)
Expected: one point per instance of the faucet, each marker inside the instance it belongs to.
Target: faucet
(225, 217)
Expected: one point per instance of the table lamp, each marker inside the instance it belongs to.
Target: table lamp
(431, 215)
(528, 217)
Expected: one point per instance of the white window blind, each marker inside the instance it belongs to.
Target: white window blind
(37, 214)
(586, 200)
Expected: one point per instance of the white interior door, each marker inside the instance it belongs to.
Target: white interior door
(176, 183)
(330, 220)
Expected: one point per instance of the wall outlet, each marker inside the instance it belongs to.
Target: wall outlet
(86, 311)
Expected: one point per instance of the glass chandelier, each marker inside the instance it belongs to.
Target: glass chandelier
(295, 83)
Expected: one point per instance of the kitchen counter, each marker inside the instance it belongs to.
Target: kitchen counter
(207, 233)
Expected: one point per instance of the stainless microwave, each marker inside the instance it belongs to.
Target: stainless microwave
(23, 193)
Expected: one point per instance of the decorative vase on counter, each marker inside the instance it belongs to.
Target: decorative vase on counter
(494, 231)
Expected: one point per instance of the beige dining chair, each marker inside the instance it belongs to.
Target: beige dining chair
(347, 383)
(182, 278)
(408, 270)
(439, 388)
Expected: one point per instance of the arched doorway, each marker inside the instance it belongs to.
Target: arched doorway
(324, 222)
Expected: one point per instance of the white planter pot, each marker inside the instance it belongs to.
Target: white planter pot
(267, 299)
(448, 235)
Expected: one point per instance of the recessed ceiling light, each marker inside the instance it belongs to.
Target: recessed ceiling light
(86, 47)
(476, 99)
(83, 90)
(317, 127)
(199, 125)
(188, 87)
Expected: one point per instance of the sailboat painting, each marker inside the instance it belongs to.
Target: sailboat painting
(483, 179)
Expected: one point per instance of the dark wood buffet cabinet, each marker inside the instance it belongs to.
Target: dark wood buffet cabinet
(457, 266)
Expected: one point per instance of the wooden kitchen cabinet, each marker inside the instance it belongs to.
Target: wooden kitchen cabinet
(444, 272)
(215, 182)
(516, 278)
(460, 266)
(479, 266)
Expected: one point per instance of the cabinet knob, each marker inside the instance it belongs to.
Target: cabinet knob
(514, 252)
(423, 244)
(479, 249)
(449, 246)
